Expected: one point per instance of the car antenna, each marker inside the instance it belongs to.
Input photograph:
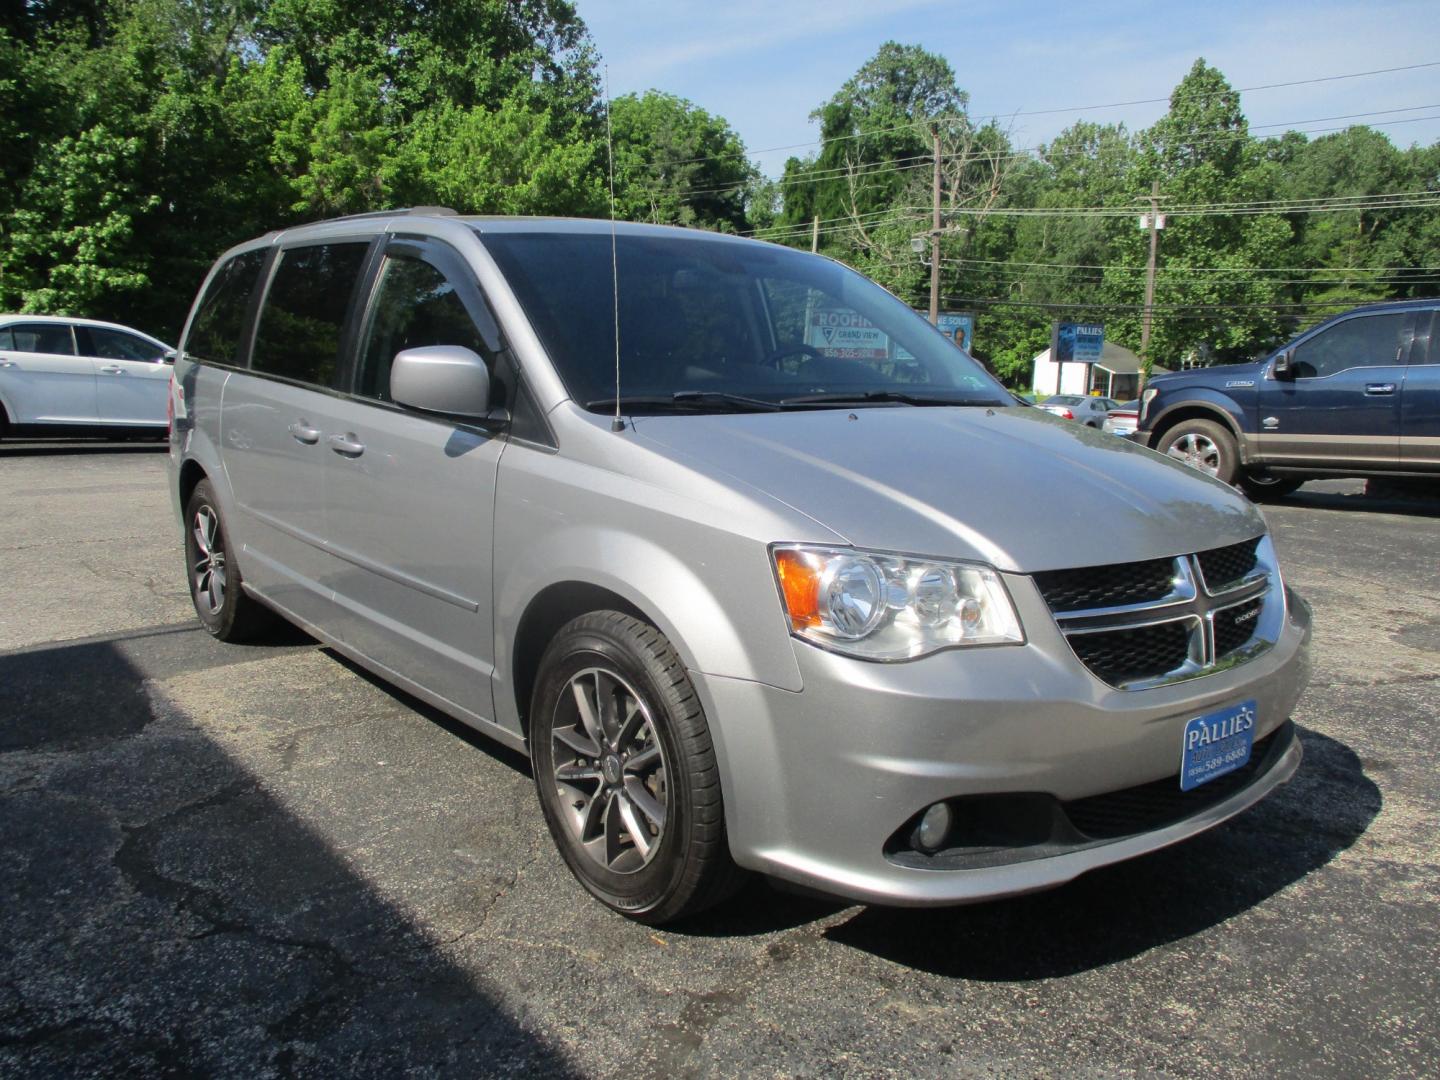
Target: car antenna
(616, 424)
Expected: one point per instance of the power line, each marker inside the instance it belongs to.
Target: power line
(1104, 212)
(1042, 152)
(1207, 269)
(1136, 308)
(994, 117)
(1171, 277)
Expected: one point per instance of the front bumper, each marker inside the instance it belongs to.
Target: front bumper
(818, 783)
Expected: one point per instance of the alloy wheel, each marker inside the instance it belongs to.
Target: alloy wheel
(1197, 451)
(207, 576)
(610, 770)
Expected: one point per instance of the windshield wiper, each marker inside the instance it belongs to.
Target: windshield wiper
(720, 396)
(853, 398)
(688, 401)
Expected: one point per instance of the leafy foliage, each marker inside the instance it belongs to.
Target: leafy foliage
(143, 137)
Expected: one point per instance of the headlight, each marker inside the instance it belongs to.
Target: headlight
(891, 607)
(1145, 399)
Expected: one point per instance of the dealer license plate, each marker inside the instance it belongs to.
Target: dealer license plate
(1216, 743)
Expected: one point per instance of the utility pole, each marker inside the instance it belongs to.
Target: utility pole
(935, 239)
(815, 233)
(1150, 281)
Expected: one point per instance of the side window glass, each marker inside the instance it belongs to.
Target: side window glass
(7, 339)
(107, 344)
(1366, 341)
(301, 327)
(215, 333)
(415, 306)
(44, 338)
(1431, 354)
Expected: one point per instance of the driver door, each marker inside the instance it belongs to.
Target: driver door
(409, 496)
(1340, 406)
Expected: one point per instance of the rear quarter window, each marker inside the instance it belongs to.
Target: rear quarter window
(301, 326)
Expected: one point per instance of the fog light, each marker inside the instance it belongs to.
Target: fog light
(934, 828)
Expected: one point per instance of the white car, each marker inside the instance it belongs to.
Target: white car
(72, 375)
(1083, 408)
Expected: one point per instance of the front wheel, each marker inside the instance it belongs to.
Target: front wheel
(626, 771)
(1203, 445)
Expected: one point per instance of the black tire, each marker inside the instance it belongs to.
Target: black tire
(684, 865)
(237, 616)
(1204, 445)
(1263, 487)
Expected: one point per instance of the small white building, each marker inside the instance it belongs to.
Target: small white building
(1116, 375)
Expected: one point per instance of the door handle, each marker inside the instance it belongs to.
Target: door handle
(1379, 389)
(304, 433)
(113, 370)
(7, 363)
(347, 444)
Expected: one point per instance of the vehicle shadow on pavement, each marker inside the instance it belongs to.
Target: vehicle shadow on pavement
(1121, 911)
(13, 448)
(483, 743)
(164, 911)
(1356, 503)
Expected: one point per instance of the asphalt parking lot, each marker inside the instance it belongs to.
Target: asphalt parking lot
(259, 861)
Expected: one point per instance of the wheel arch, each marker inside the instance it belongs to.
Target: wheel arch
(549, 610)
(1198, 410)
(191, 473)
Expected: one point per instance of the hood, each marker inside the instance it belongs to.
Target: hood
(1013, 487)
(1215, 373)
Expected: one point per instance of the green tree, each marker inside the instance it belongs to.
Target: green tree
(876, 127)
(1210, 305)
(677, 164)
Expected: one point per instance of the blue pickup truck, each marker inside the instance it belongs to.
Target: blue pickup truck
(1357, 395)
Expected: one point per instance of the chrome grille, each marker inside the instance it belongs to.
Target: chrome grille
(1107, 586)
(1137, 625)
(1234, 626)
(1227, 566)
(1118, 656)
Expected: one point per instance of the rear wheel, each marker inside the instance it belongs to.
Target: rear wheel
(1203, 445)
(1262, 486)
(626, 771)
(216, 587)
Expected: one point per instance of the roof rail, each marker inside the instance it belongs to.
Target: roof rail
(403, 211)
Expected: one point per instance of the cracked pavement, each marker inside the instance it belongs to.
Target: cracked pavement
(259, 861)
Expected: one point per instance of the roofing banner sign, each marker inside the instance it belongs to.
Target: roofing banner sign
(846, 335)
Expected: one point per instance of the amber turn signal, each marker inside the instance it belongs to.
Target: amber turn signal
(800, 585)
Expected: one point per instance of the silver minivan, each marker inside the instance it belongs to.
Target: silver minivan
(762, 572)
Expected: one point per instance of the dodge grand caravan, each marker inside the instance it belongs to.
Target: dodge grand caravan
(761, 571)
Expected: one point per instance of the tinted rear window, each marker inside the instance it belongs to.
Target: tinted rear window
(51, 338)
(300, 329)
(215, 332)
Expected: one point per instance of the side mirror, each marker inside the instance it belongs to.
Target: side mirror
(1284, 367)
(449, 379)
(168, 356)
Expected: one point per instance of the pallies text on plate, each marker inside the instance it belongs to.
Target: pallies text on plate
(1243, 720)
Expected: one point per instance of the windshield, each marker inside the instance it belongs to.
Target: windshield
(710, 325)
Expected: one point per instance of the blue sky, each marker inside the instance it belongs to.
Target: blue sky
(765, 64)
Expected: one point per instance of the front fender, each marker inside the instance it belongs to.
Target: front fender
(697, 569)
